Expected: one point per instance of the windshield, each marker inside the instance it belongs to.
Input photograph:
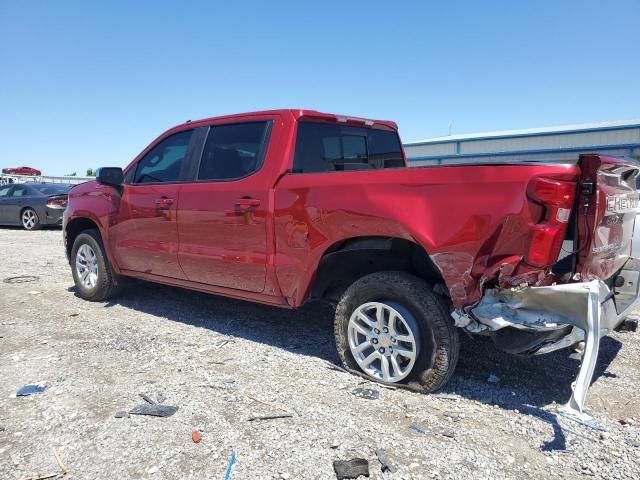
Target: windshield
(52, 189)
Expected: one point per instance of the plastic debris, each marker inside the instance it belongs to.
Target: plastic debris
(195, 436)
(351, 468)
(30, 390)
(449, 434)
(232, 460)
(581, 420)
(366, 393)
(385, 461)
(121, 414)
(269, 417)
(493, 379)
(155, 410)
(416, 428)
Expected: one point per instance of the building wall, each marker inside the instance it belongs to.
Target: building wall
(560, 144)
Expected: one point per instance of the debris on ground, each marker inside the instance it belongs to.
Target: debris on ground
(449, 434)
(61, 473)
(626, 421)
(121, 414)
(367, 393)
(195, 436)
(148, 399)
(416, 428)
(30, 390)
(493, 378)
(250, 397)
(629, 325)
(386, 464)
(445, 396)
(270, 417)
(337, 368)
(353, 468)
(154, 409)
(232, 460)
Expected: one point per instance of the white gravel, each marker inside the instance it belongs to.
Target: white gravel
(222, 361)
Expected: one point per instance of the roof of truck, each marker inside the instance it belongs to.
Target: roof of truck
(301, 112)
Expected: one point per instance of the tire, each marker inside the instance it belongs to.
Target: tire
(105, 283)
(424, 313)
(30, 219)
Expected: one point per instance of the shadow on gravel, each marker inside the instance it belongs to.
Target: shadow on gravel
(526, 384)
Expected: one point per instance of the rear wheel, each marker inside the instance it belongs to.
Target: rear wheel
(394, 329)
(92, 274)
(30, 220)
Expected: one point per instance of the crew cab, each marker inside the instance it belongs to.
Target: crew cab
(280, 207)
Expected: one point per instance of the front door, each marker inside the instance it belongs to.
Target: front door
(222, 216)
(4, 204)
(145, 234)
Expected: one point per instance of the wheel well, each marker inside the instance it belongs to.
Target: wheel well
(347, 262)
(75, 228)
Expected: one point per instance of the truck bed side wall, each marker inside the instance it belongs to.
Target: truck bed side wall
(466, 218)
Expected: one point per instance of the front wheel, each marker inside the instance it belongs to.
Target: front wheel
(92, 273)
(394, 329)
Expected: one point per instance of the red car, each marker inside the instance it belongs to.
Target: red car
(283, 206)
(21, 171)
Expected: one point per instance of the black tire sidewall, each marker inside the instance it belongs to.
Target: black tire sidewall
(427, 308)
(104, 283)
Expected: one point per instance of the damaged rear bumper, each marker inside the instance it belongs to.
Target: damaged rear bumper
(538, 320)
(543, 319)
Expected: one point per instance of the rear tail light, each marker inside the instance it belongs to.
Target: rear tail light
(57, 203)
(557, 196)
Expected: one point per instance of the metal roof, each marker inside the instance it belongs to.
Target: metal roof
(530, 132)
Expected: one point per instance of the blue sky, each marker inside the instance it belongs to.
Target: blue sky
(89, 84)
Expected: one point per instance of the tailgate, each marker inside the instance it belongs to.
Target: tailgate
(607, 205)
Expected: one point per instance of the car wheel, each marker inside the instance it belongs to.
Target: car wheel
(92, 273)
(30, 220)
(392, 327)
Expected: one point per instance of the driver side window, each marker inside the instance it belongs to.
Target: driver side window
(162, 164)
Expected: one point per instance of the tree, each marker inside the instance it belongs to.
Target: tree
(91, 172)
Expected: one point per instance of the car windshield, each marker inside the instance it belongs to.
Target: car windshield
(52, 189)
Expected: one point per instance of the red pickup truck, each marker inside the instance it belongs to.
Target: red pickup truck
(283, 206)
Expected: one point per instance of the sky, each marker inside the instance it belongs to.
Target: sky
(90, 84)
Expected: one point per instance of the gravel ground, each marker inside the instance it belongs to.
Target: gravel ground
(223, 361)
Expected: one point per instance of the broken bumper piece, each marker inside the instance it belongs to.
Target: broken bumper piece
(540, 320)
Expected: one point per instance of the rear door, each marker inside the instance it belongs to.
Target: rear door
(223, 215)
(144, 234)
(607, 207)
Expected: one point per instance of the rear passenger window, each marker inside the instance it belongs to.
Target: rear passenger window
(163, 163)
(233, 151)
(327, 147)
(19, 192)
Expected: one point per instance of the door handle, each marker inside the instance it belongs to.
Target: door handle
(164, 203)
(245, 204)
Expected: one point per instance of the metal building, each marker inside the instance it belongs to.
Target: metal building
(553, 144)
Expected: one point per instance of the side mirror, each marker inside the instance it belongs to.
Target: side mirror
(110, 176)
